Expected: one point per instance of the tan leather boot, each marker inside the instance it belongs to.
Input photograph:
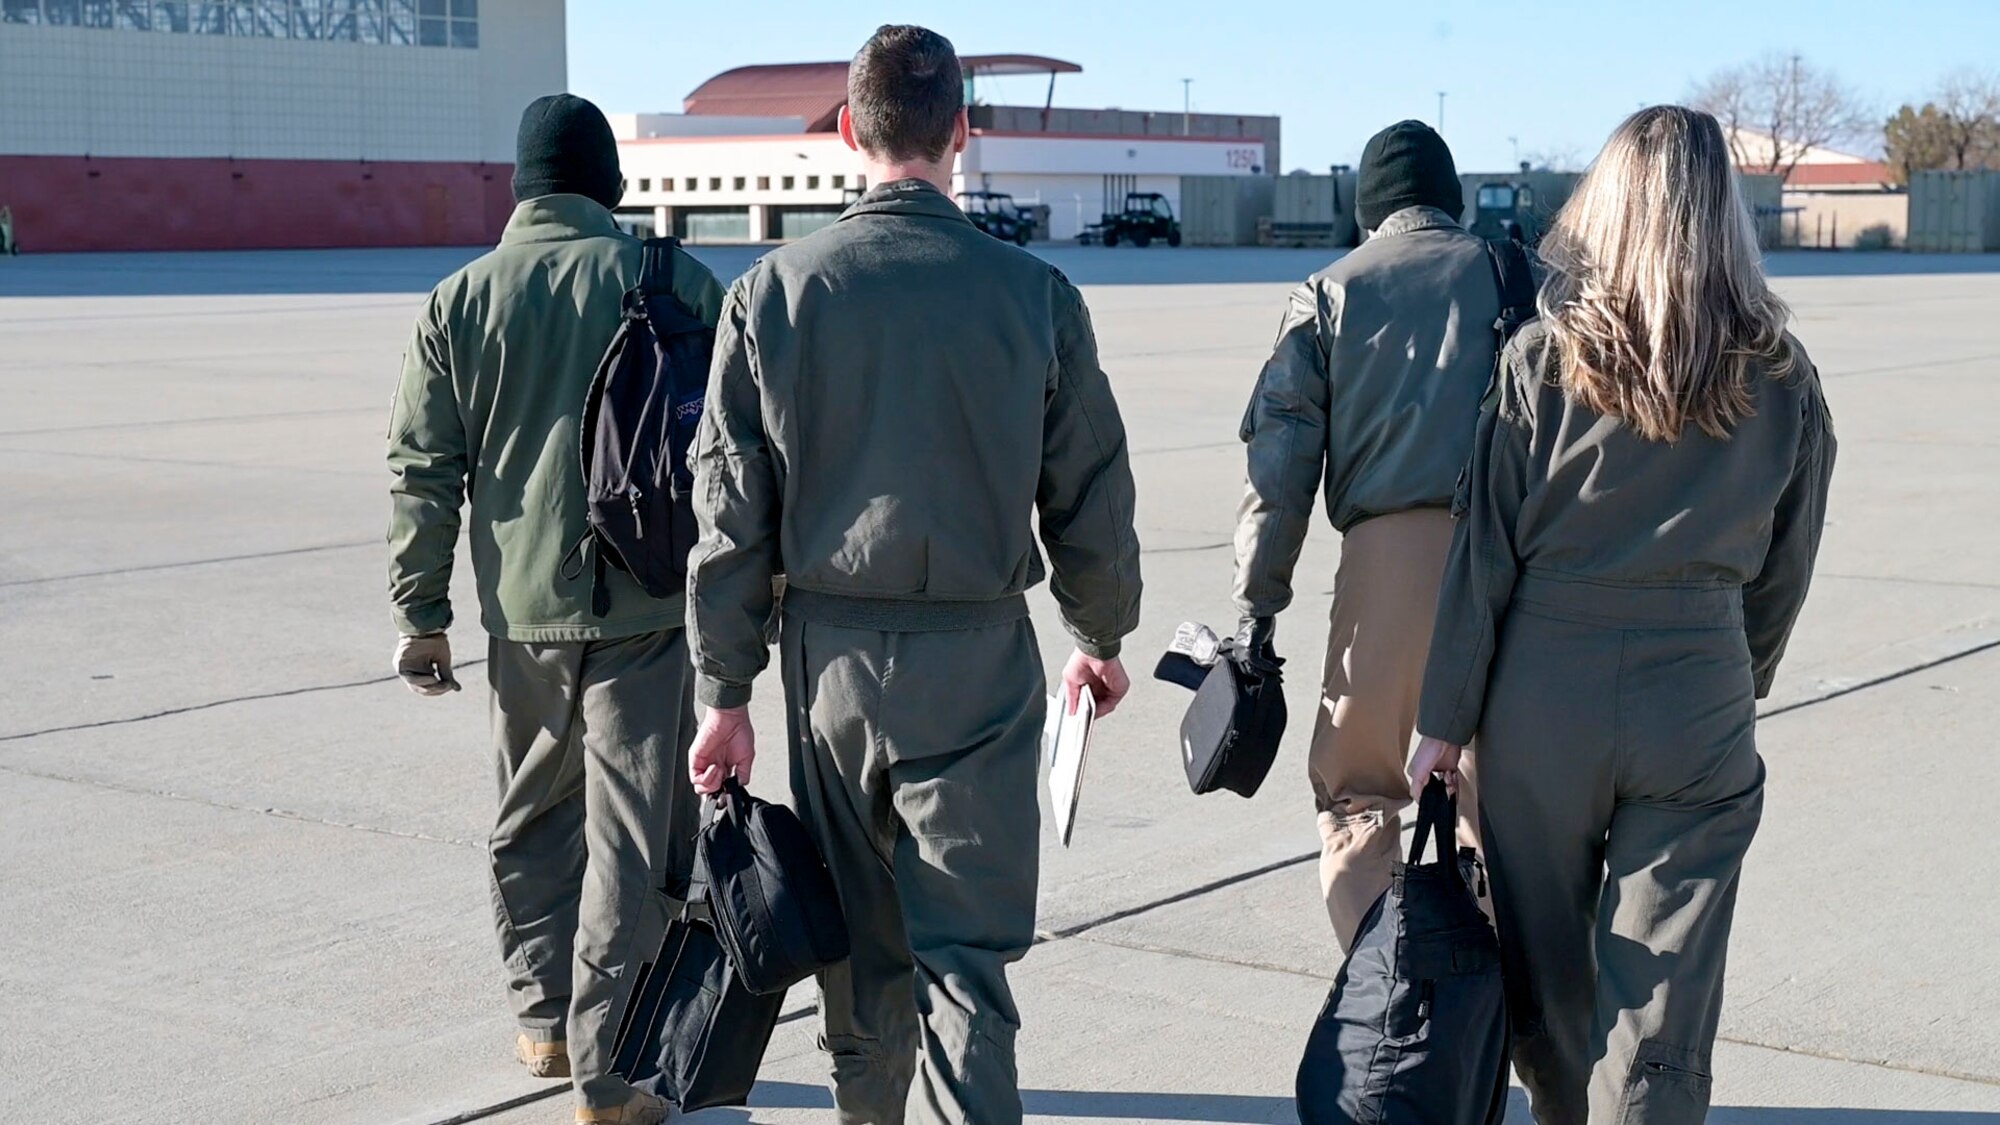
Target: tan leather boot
(543, 1060)
(643, 1109)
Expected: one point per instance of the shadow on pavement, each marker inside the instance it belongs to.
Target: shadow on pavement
(413, 271)
(1884, 263)
(1517, 1114)
(1125, 1105)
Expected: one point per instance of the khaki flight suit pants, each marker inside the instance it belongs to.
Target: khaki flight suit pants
(1384, 599)
(1620, 788)
(915, 761)
(596, 816)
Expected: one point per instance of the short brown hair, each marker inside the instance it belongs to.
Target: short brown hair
(904, 91)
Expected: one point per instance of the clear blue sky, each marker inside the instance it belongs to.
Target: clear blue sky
(1557, 74)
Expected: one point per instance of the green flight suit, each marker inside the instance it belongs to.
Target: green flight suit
(899, 402)
(591, 717)
(1611, 611)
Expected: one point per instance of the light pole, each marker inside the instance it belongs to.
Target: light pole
(1187, 107)
(1516, 142)
(1441, 94)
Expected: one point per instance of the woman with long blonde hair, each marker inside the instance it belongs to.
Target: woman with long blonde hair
(1637, 529)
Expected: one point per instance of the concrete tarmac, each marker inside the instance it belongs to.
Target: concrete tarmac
(244, 871)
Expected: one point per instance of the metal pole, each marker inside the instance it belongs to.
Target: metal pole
(1187, 107)
(1441, 94)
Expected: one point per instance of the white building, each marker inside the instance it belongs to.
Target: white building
(189, 124)
(755, 156)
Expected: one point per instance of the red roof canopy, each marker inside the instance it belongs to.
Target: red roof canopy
(816, 91)
(1828, 175)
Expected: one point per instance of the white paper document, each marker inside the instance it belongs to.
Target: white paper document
(1068, 737)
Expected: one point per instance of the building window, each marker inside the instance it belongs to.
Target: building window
(812, 182)
(396, 23)
(645, 185)
(739, 183)
(688, 184)
(860, 183)
(840, 181)
(787, 181)
(667, 184)
(763, 183)
(715, 183)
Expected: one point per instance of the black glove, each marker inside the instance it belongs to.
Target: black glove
(1255, 635)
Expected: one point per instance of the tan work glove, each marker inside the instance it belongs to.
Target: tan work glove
(424, 663)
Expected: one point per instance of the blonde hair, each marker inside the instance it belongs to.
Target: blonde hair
(1656, 301)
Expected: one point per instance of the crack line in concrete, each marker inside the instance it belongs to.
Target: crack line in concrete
(185, 563)
(1877, 681)
(236, 466)
(215, 419)
(482, 1112)
(207, 802)
(213, 703)
(1943, 583)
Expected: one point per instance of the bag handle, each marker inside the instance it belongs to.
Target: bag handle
(1437, 817)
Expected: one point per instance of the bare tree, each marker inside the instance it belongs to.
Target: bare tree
(1778, 108)
(1558, 158)
(1968, 100)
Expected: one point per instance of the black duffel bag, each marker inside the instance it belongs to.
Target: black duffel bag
(761, 915)
(1230, 734)
(1416, 1026)
(693, 1034)
(772, 899)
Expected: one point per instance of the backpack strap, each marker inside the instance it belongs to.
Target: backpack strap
(1516, 282)
(656, 266)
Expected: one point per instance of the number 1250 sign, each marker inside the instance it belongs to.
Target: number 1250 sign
(1245, 157)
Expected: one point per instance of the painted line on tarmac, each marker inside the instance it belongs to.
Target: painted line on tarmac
(213, 703)
(185, 563)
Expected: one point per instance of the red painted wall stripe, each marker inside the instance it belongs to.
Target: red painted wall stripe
(140, 203)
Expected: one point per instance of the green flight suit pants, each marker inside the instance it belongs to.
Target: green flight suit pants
(596, 816)
(1619, 789)
(915, 762)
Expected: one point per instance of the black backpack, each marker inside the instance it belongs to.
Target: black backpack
(639, 420)
(1415, 1028)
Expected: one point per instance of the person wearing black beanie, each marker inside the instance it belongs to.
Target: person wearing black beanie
(1371, 397)
(565, 147)
(1406, 165)
(593, 699)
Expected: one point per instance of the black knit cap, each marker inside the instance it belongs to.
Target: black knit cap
(1406, 165)
(566, 147)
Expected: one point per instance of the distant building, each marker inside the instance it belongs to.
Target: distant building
(754, 154)
(1831, 198)
(196, 125)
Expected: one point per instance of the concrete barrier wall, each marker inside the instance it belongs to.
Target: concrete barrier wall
(1224, 210)
(1955, 212)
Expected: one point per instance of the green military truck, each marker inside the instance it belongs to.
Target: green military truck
(1503, 210)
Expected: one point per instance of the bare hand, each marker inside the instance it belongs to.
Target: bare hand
(1106, 680)
(424, 663)
(1433, 756)
(723, 747)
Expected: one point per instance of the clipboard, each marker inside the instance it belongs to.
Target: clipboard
(1069, 744)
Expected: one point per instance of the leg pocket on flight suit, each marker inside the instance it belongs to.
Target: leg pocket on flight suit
(1667, 1085)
